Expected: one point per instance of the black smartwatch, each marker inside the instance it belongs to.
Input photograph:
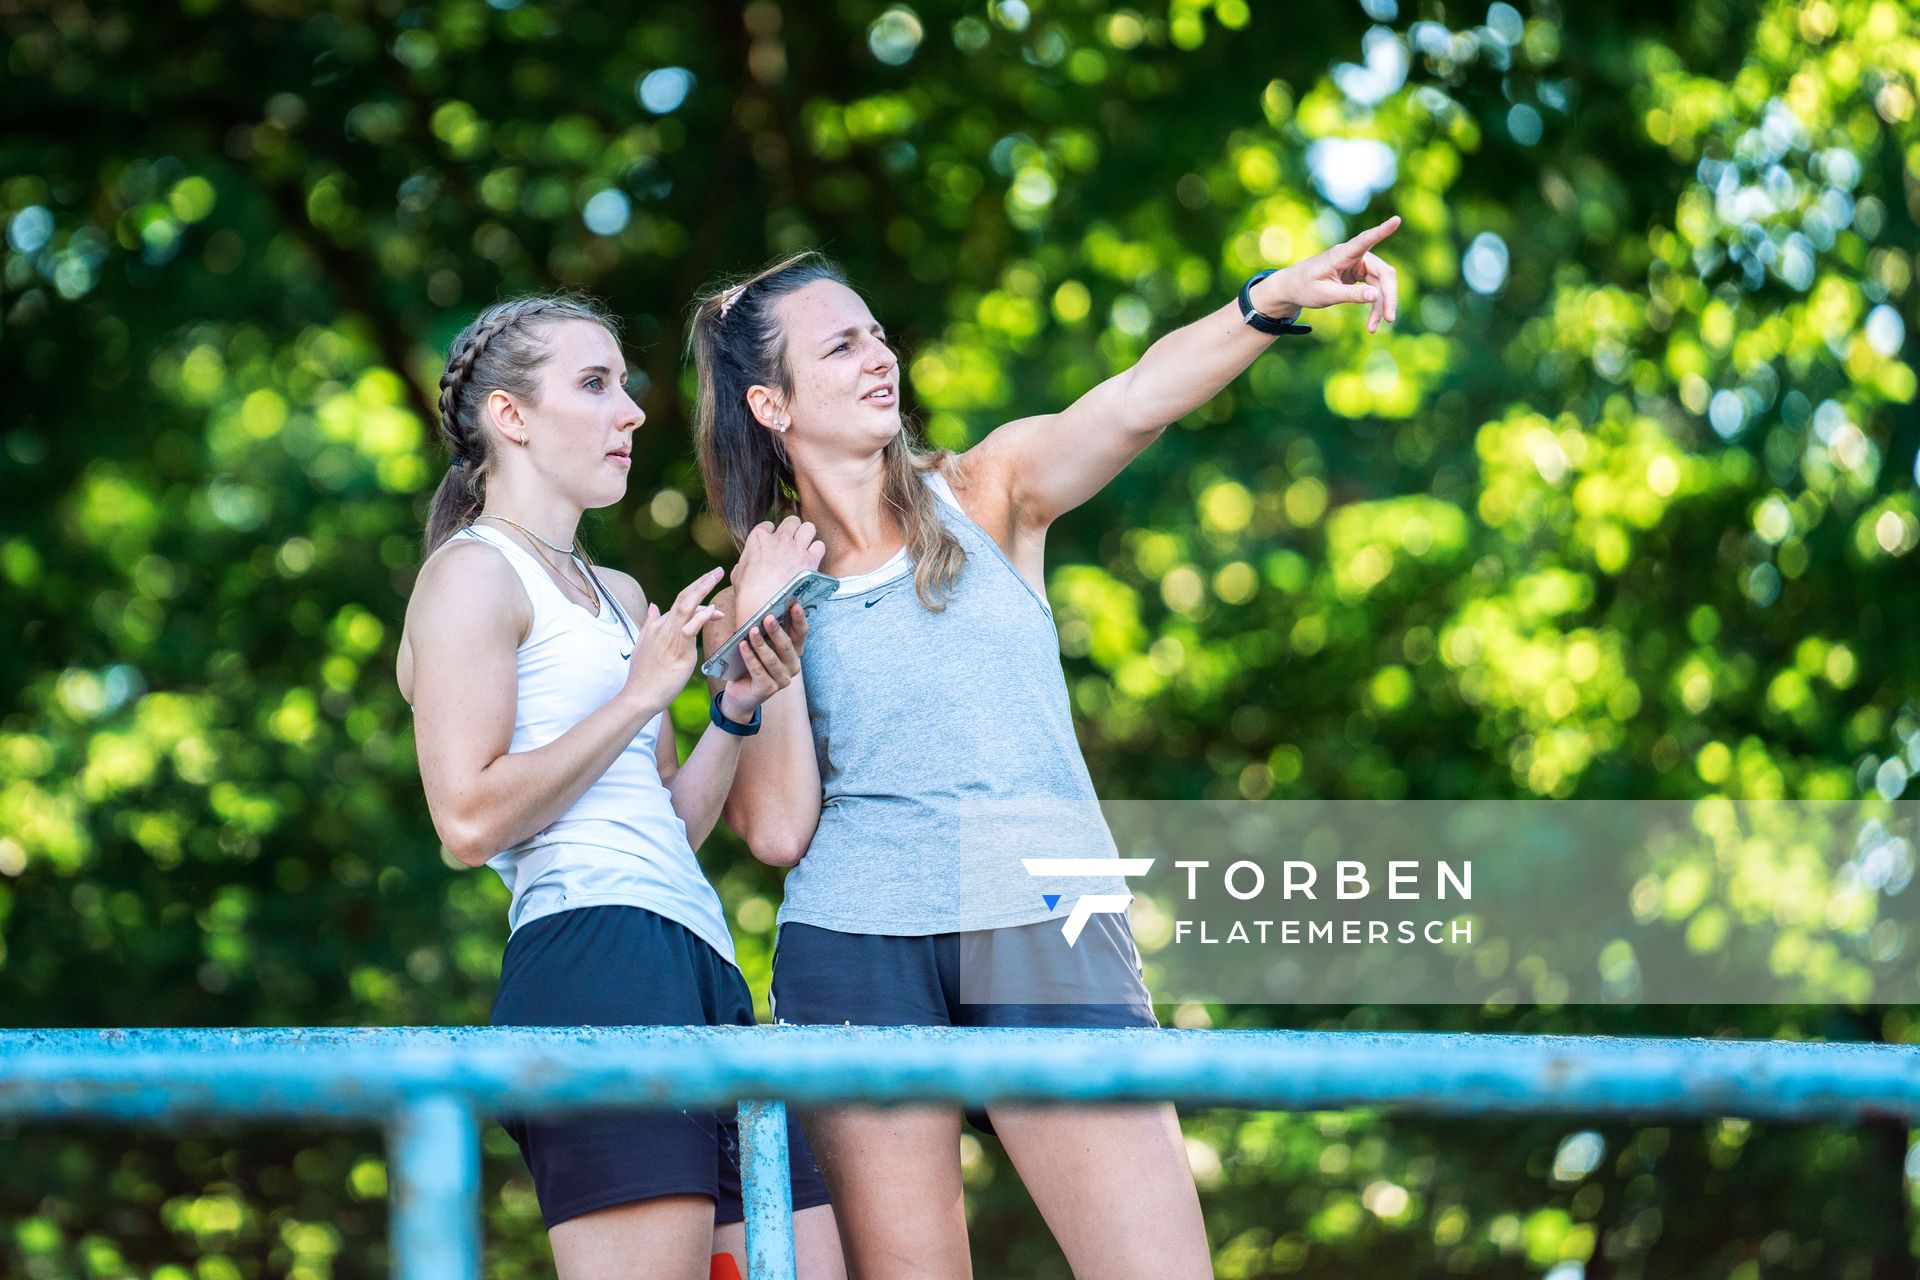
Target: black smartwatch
(734, 727)
(1265, 324)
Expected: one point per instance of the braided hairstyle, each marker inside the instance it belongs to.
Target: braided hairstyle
(502, 350)
(737, 342)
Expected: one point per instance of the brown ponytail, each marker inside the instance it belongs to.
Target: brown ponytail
(501, 350)
(736, 342)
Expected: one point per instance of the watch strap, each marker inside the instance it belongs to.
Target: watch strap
(734, 727)
(1265, 323)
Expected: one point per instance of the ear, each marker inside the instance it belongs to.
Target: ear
(769, 408)
(502, 412)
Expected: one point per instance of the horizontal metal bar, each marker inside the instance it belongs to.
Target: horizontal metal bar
(358, 1073)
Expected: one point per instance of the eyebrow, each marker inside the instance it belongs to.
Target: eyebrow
(852, 330)
(602, 369)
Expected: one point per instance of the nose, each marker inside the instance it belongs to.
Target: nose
(631, 414)
(880, 357)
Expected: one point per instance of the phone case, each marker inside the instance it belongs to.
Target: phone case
(809, 593)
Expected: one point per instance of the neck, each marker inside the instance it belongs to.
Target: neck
(552, 517)
(845, 500)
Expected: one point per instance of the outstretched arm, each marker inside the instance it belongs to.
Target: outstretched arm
(1051, 463)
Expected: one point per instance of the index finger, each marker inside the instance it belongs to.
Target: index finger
(695, 591)
(1372, 236)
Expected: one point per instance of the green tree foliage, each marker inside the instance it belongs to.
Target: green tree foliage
(1624, 506)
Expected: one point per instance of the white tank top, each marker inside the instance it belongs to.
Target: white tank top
(620, 843)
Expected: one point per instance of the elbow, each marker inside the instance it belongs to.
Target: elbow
(467, 842)
(778, 852)
(776, 842)
(784, 842)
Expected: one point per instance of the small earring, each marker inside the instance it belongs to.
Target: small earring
(781, 426)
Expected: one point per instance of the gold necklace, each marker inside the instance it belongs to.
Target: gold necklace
(565, 551)
(586, 587)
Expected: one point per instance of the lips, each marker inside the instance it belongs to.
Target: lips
(621, 457)
(884, 394)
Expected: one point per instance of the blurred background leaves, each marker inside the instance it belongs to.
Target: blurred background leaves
(1624, 506)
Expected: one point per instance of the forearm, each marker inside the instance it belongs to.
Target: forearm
(1194, 363)
(1049, 464)
(699, 787)
(523, 792)
(775, 802)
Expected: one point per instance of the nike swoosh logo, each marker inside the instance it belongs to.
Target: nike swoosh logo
(625, 656)
(876, 600)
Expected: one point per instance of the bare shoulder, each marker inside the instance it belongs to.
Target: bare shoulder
(468, 577)
(467, 592)
(466, 597)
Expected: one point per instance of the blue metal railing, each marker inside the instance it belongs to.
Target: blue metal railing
(431, 1087)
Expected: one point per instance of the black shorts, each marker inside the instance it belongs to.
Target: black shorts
(622, 967)
(823, 977)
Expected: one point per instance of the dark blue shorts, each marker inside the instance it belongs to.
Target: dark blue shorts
(823, 977)
(623, 967)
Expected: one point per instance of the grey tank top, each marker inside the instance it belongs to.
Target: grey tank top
(947, 755)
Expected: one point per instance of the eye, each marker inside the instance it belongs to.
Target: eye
(594, 383)
(843, 347)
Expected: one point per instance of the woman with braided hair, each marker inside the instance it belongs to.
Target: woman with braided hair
(540, 685)
(927, 756)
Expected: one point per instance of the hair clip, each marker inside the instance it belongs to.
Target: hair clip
(730, 297)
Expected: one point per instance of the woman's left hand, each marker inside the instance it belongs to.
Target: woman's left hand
(772, 654)
(770, 558)
(1348, 272)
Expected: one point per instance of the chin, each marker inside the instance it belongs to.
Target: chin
(604, 495)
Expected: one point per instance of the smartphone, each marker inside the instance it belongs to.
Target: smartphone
(807, 589)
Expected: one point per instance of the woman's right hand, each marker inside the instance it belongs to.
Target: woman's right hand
(664, 652)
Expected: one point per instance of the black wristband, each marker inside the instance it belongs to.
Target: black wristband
(734, 727)
(1265, 324)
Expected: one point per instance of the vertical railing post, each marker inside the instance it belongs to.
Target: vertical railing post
(767, 1190)
(433, 1150)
